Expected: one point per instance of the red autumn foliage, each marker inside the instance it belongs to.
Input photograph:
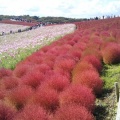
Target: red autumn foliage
(111, 53)
(75, 53)
(56, 81)
(105, 34)
(82, 66)
(43, 67)
(6, 113)
(19, 22)
(76, 38)
(2, 94)
(54, 51)
(5, 72)
(19, 96)
(92, 59)
(91, 50)
(58, 71)
(71, 42)
(65, 63)
(47, 98)
(9, 82)
(21, 70)
(33, 79)
(32, 112)
(73, 112)
(80, 45)
(90, 79)
(35, 59)
(78, 94)
(46, 48)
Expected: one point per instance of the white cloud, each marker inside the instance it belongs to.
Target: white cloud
(71, 8)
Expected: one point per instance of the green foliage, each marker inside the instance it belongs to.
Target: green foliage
(58, 19)
(48, 19)
(110, 74)
(35, 17)
(10, 61)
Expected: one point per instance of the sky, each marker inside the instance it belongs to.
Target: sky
(61, 8)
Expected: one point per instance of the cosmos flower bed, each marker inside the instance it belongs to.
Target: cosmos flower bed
(62, 80)
(6, 28)
(10, 44)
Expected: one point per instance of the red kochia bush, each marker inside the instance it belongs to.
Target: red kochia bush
(33, 78)
(78, 94)
(32, 112)
(80, 45)
(9, 82)
(75, 53)
(82, 66)
(5, 72)
(111, 53)
(65, 63)
(19, 96)
(42, 68)
(92, 50)
(21, 70)
(6, 113)
(56, 81)
(90, 79)
(2, 94)
(92, 59)
(47, 98)
(73, 112)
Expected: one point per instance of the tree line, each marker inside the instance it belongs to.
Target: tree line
(48, 19)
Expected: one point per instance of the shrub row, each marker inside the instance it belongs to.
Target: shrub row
(60, 81)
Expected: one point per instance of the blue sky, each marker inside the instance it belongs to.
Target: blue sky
(65, 8)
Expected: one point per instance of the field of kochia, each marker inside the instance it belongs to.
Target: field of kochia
(62, 80)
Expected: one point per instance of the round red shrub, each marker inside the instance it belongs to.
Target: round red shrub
(21, 70)
(35, 59)
(64, 73)
(76, 53)
(80, 45)
(19, 96)
(111, 53)
(9, 82)
(94, 61)
(56, 81)
(32, 112)
(33, 79)
(43, 68)
(90, 79)
(82, 66)
(92, 50)
(78, 94)
(105, 34)
(6, 113)
(65, 63)
(45, 48)
(5, 72)
(73, 112)
(47, 98)
(2, 94)
(71, 42)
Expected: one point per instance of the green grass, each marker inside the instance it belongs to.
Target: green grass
(10, 62)
(110, 75)
(106, 104)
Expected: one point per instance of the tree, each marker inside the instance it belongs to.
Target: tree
(35, 17)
